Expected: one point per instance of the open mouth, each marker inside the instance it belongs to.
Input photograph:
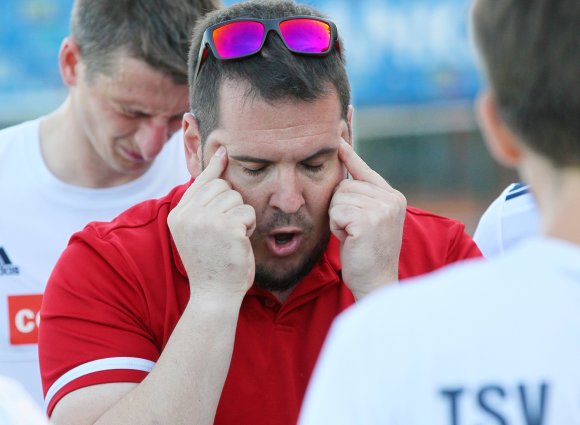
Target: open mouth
(283, 243)
(283, 238)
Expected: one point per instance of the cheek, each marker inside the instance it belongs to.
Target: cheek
(251, 192)
(109, 134)
(117, 125)
(256, 198)
(319, 194)
(111, 123)
(318, 200)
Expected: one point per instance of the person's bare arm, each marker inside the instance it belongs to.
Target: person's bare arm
(211, 228)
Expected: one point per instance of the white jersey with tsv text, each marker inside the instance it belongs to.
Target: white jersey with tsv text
(481, 342)
(38, 214)
(511, 217)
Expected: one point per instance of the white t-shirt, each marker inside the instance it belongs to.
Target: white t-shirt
(16, 405)
(481, 342)
(512, 217)
(38, 214)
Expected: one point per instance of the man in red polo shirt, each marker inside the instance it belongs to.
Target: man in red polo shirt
(211, 304)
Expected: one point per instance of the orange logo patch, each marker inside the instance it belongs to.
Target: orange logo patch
(24, 314)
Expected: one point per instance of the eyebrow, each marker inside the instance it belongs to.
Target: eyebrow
(247, 158)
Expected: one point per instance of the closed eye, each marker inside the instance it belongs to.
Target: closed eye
(135, 114)
(313, 168)
(254, 171)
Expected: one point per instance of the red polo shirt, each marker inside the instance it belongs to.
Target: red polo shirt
(119, 289)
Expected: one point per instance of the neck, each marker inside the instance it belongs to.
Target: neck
(282, 296)
(557, 191)
(69, 154)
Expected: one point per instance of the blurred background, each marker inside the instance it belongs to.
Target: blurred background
(413, 76)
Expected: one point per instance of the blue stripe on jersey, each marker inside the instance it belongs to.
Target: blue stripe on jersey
(518, 190)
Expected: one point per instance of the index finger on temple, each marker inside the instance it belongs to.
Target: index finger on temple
(215, 168)
(358, 169)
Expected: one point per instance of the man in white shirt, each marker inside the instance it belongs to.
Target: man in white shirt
(103, 150)
(493, 341)
(511, 217)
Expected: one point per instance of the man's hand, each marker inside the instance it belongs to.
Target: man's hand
(367, 216)
(211, 227)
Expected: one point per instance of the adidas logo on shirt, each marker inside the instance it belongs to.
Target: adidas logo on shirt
(6, 266)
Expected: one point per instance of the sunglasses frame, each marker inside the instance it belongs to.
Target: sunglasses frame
(269, 25)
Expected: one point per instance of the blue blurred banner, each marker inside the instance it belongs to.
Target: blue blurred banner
(405, 51)
(399, 52)
(30, 35)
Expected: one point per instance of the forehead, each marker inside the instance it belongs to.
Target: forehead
(133, 82)
(251, 125)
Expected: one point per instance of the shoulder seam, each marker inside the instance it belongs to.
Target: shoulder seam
(420, 212)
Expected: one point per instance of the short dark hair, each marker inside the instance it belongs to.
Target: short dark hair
(530, 54)
(273, 74)
(155, 31)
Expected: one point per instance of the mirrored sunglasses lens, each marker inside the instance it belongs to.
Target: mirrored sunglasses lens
(238, 38)
(306, 35)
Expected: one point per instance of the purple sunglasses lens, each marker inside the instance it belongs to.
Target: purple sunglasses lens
(306, 35)
(238, 38)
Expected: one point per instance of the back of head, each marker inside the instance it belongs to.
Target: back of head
(157, 32)
(273, 74)
(530, 52)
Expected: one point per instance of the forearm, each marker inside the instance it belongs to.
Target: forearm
(186, 383)
(361, 291)
(378, 272)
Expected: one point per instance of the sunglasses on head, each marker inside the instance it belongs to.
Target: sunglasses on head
(238, 38)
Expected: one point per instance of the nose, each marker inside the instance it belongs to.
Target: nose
(151, 136)
(287, 192)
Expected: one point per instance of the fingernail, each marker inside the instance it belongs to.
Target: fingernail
(344, 143)
(220, 152)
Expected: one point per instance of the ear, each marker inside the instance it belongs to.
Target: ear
(69, 59)
(501, 142)
(192, 140)
(348, 137)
